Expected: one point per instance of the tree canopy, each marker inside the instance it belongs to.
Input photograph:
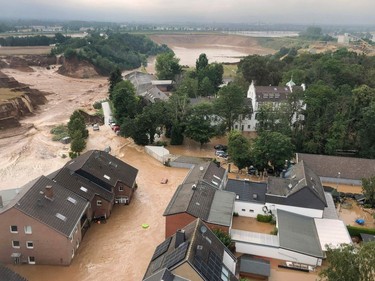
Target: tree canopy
(167, 66)
(239, 149)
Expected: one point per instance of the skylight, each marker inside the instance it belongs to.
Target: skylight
(84, 189)
(72, 200)
(214, 182)
(107, 177)
(61, 217)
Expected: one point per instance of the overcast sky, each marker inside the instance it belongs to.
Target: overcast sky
(223, 11)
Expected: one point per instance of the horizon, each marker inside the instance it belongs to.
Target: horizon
(293, 12)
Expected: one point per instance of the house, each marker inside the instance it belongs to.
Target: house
(201, 196)
(275, 95)
(339, 170)
(106, 171)
(41, 223)
(194, 253)
(7, 274)
(298, 191)
(147, 87)
(101, 200)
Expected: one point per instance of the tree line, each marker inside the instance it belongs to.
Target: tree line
(37, 40)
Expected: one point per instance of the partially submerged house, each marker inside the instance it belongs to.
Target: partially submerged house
(42, 224)
(106, 171)
(336, 170)
(200, 196)
(193, 253)
(299, 191)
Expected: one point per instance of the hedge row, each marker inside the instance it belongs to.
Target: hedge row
(356, 231)
(264, 218)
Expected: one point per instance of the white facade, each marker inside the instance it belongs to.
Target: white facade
(250, 124)
(248, 209)
(268, 248)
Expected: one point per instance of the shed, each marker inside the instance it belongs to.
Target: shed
(158, 152)
(254, 267)
(332, 232)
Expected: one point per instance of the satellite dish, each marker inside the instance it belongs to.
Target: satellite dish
(203, 229)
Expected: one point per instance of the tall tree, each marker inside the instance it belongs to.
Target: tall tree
(125, 101)
(201, 63)
(199, 124)
(167, 66)
(239, 149)
(114, 78)
(350, 263)
(271, 149)
(231, 104)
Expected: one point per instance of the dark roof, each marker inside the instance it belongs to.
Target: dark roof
(207, 172)
(164, 275)
(273, 93)
(296, 179)
(81, 186)
(202, 201)
(298, 233)
(331, 166)
(7, 274)
(199, 247)
(367, 237)
(254, 265)
(61, 214)
(245, 190)
(105, 168)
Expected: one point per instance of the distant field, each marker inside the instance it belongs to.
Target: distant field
(40, 50)
(6, 94)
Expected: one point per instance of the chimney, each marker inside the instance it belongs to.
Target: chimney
(1, 202)
(48, 192)
(180, 237)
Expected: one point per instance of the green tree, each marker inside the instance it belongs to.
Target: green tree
(77, 123)
(78, 143)
(206, 88)
(350, 263)
(114, 78)
(201, 63)
(199, 124)
(271, 149)
(368, 189)
(125, 101)
(231, 104)
(224, 237)
(239, 149)
(167, 66)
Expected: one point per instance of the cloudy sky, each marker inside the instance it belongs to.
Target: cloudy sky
(228, 11)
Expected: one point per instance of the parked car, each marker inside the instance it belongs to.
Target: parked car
(221, 147)
(95, 127)
(219, 152)
(116, 128)
(251, 170)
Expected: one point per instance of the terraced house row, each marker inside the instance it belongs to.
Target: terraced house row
(44, 221)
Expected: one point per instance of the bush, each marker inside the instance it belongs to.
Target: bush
(274, 231)
(264, 218)
(161, 143)
(356, 231)
(235, 214)
(59, 132)
(97, 105)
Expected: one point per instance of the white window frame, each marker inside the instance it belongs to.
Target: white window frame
(10, 229)
(16, 247)
(29, 259)
(30, 247)
(99, 203)
(121, 188)
(28, 229)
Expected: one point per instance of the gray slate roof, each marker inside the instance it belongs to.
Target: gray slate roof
(253, 265)
(329, 166)
(298, 178)
(298, 233)
(75, 182)
(274, 93)
(7, 274)
(245, 190)
(34, 204)
(103, 168)
(201, 249)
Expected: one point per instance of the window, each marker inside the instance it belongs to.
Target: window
(16, 244)
(84, 189)
(98, 202)
(13, 229)
(120, 188)
(29, 245)
(243, 210)
(224, 274)
(31, 260)
(28, 229)
(248, 126)
(251, 211)
(236, 126)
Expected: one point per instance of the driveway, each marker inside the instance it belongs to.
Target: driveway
(107, 112)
